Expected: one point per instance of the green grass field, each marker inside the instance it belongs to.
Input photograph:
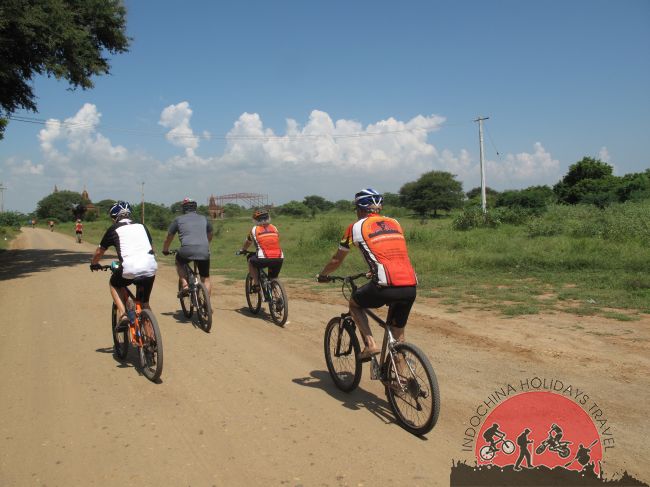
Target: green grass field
(574, 259)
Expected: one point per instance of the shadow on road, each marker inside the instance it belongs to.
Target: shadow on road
(355, 400)
(131, 361)
(19, 263)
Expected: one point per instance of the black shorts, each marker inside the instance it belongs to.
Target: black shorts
(143, 284)
(274, 265)
(202, 265)
(398, 299)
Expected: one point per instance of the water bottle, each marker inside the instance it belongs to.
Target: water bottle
(374, 369)
(130, 310)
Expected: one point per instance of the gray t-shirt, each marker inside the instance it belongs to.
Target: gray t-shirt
(192, 230)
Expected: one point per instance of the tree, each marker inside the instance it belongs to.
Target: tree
(588, 181)
(476, 192)
(533, 197)
(433, 191)
(67, 39)
(294, 208)
(344, 205)
(317, 203)
(59, 205)
(391, 199)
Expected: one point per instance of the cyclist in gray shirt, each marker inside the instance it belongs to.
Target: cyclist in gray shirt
(195, 233)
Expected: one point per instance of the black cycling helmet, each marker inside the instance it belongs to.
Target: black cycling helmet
(188, 205)
(368, 199)
(120, 209)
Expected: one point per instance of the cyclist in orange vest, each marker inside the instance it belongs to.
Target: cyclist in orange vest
(267, 243)
(393, 283)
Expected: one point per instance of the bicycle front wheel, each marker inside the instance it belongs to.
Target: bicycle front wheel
(341, 354)
(278, 305)
(203, 307)
(152, 350)
(412, 389)
(254, 299)
(120, 333)
(186, 301)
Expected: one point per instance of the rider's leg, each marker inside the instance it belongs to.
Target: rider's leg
(208, 285)
(361, 319)
(252, 270)
(182, 276)
(118, 298)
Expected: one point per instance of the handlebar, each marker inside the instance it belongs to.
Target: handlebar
(171, 252)
(99, 267)
(345, 279)
(245, 252)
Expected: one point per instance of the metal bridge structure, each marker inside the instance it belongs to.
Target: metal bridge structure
(216, 204)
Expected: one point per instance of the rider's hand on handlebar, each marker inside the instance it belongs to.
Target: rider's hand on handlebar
(95, 267)
(322, 278)
(239, 252)
(165, 252)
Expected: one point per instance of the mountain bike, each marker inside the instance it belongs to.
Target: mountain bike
(139, 329)
(196, 297)
(408, 377)
(488, 451)
(270, 290)
(78, 236)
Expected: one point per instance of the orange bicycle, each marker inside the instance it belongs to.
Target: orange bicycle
(139, 328)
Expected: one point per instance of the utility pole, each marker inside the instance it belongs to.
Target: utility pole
(480, 141)
(142, 201)
(2, 198)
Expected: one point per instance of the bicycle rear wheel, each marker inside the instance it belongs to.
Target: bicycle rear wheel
(254, 299)
(120, 333)
(203, 307)
(151, 354)
(412, 389)
(186, 302)
(278, 305)
(341, 354)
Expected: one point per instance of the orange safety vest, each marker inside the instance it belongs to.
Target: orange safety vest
(381, 241)
(267, 241)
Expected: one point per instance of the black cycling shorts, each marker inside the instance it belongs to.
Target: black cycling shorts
(202, 265)
(143, 283)
(398, 299)
(274, 265)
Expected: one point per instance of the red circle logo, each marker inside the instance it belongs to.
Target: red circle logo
(539, 428)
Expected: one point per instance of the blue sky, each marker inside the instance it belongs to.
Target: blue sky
(287, 98)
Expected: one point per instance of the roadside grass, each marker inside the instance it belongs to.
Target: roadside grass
(7, 234)
(572, 268)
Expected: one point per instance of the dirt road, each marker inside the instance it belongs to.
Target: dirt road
(252, 403)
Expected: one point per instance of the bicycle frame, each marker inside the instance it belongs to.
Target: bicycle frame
(134, 326)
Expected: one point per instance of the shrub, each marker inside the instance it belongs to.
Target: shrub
(473, 217)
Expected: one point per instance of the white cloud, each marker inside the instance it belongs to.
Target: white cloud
(603, 155)
(26, 168)
(177, 119)
(524, 168)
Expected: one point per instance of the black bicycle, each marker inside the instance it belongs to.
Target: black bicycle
(270, 290)
(139, 328)
(195, 297)
(408, 377)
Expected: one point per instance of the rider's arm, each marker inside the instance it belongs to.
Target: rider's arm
(99, 253)
(334, 263)
(167, 242)
(209, 236)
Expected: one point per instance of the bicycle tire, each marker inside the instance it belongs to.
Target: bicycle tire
(278, 305)
(186, 302)
(486, 453)
(120, 335)
(342, 354)
(254, 300)
(203, 307)
(152, 349)
(421, 384)
(508, 447)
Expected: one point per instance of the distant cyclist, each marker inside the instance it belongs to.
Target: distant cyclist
(133, 244)
(195, 233)
(266, 239)
(381, 241)
(51, 224)
(79, 230)
(490, 433)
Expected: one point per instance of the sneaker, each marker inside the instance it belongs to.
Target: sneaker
(255, 288)
(183, 292)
